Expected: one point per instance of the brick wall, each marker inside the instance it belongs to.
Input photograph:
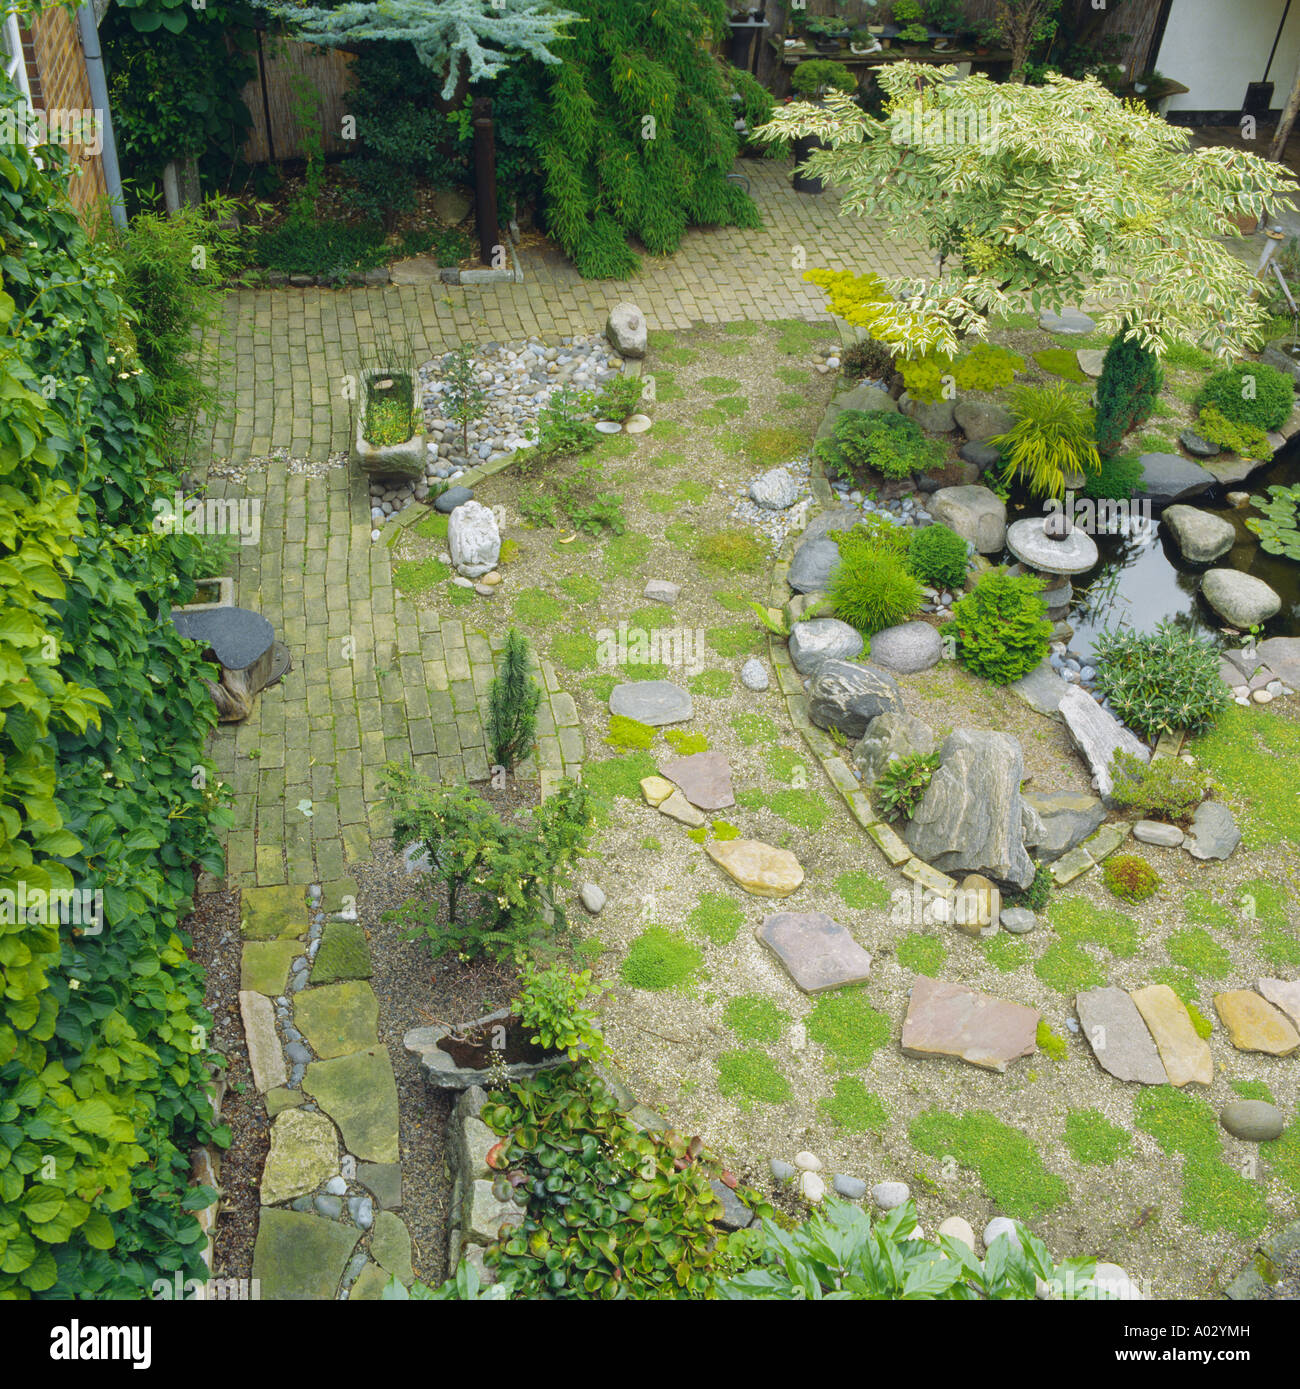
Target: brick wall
(56, 71)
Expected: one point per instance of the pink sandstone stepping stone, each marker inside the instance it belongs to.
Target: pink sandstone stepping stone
(1254, 1024)
(1186, 1056)
(757, 867)
(954, 1020)
(1118, 1037)
(818, 952)
(1283, 994)
(704, 779)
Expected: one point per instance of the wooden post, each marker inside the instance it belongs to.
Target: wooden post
(485, 180)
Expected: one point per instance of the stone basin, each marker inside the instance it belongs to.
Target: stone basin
(1072, 554)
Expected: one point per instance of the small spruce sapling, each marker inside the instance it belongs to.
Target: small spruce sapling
(464, 398)
(512, 705)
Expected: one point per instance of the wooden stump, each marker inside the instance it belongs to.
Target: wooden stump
(242, 642)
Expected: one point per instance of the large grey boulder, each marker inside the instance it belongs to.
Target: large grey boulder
(1240, 599)
(1069, 320)
(813, 566)
(822, 639)
(775, 490)
(1276, 355)
(934, 416)
(626, 330)
(889, 737)
(1169, 478)
(473, 539)
(1061, 820)
(1098, 736)
(982, 419)
(975, 513)
(972, 815)
(847, 696)
(907, 648)
(840, 518)
(1201, 535)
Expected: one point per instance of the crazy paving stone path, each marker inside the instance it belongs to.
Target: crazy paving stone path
(331, 1186)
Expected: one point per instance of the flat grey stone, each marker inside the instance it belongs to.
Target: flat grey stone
(1169, 478)
(822, 639)
(1195, 444)
(1213, 833)
(1158, 833)
(1282, 656)
(453, 497)
(328, 1206)
(735, 1214)
(1200, 535)
(236, 636)
(1019, 921)
(981, 453)
(592, 898)
(704, 778)
(654, 702)
(814, 563)
(1240, 599)
(907, 648)
(851, 1188)
(1098, 735)
(661, 591)
(753, 675)
(817, 951)
(1042, 690)
(1119, 1037)
(1069, 320)
(1064, 819)
(384, 1182)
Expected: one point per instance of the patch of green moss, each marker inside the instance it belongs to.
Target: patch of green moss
(770, 445)
(1252, 1090)
(731, 349)
(419, 575)
(1204, 910)
(850, 1029)
(666, 387)
(660, 959)
(735, 552)
(861, 891)
(615, 446)
(754, 1018)
(624, 553)
(738, 639)
(793, 376)
(854, 1108)
(733, 600)
(1283, 1156)
(1195, 949)
(686, 744)
(651, 844)
(699, 834)
(582, 588)
(601, 686)
(732, 406)
(716, 917)
(753, 728)
(1201, 1025)
(629, 733)
(433, 527)
(921, 954)
(1263, 900)
(1008, 1164)
(1067, 968)
(718, 385)
(741, 328)
(1279, 947)
(668, 430)
(680, 535)
(710, 417)
(574, 650)
(751, 1077)
(459, 597)
(660, 503)
(652, 618)
(804, 809)
(751, 799)
(1253, 755)
(535, 608)
(1050, 1043)
(1061, 361)
(1093, 1140)
(787, 400)
(1075, 918)
(795, 336)
(679, 356)
(785, 764)
(713, 684)
(1004, 952)
(616, 777)
(724, 830)
(1179, 980)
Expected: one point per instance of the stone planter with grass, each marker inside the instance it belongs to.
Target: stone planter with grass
(389, 440)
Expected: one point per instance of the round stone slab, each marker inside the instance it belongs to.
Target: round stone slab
(237, 636)
(656, 702)
(1072, 555)
(817, 951)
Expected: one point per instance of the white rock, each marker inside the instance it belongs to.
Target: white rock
(888, 1195)
(753, 675)
(473, 539)
(1000, 1225)
(959, 1229)
(1111, 1282)
(592, 898)
(811, 1187)
(808, 1162)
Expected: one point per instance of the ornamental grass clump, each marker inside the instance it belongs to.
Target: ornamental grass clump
(1160, 682)
(1050, 445)
(999, 627)
(873, 589)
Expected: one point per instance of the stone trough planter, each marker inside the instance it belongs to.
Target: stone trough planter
(454, 1058)
(406, 459)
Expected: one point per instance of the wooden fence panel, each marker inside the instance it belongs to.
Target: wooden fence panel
(327, 72)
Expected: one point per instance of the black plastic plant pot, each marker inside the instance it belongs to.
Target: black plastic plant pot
(803, 147)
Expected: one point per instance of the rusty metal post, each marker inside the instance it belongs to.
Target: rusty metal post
(485, 180)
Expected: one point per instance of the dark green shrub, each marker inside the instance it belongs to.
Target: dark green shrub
(1036, 894)
(512, 705)
(868, 358)
(380, 191)
(873, 589)
(938, 556)
(1159, 682)
(901, 787)
(321, 248)
(1120, 476)
(1166, 789)
(882, 440)
(1127, 391)
(999, 628)
(818, 75)
(1249, 393)
(1130, 877)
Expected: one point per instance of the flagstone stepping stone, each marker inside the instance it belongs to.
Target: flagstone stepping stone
(1042, 690)
(950, 1019)
(1213, 833)
(264, 965)
(656, 789)
(757, 867)
(1283, 994)
(1169, 478)
(383, 1180)
(1069, 320)
(678, 808)
(370, 1284)
(390, 1246)
(300, 1258)
(343, 953)
(1256, 1121)
(1098, 736)
(281, 1098)
(704, 779)
(1118, 1036)
(817, 951)
(1239, 599)
(359, 1093)
(267, 913)
(265, 1056)
(338, 1018)
(1282, 656)
(1254, 1024)
(822, 639)
(1201, 535)
(1186, 1055)
(304, 1153)
(656, 702)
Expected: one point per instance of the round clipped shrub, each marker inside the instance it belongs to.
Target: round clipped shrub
(1160, 682)
(999, 627)
(873, 589)
(1130, 878)
(1249, 393)
(818, 75)
(882, 440)
(937, 555)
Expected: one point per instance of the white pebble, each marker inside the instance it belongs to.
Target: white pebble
(888, 1195)
(811, 1187)
(808, 1162)
(1000, 1225)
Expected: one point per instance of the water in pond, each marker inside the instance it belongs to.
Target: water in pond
(1142, 579)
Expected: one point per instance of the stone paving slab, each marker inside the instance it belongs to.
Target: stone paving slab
(298, 1257)
(359, 1093)
(950, 1019)
(1118, 1036)
(817, 952)
(1186, 1056)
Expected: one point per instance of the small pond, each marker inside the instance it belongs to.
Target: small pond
(1142, 579)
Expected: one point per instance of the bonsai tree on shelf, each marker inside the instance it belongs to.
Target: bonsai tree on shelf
(1038, 198)
(813, 79)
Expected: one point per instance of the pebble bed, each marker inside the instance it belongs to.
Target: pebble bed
(519, 380)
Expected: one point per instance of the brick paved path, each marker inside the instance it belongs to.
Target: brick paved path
(374, 679)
